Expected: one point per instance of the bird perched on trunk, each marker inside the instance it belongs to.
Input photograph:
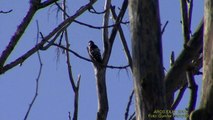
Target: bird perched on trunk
(94, 52)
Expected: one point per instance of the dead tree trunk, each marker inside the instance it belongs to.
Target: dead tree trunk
(147, 58)
(206, 106)
(102, 93)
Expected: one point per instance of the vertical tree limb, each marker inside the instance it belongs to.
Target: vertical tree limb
(147, 57)
(106, 23)
(100, 71)
(206, 105)
(190, 8)
(193, 87)
(75, 87)
(185, 21)
(103, 106)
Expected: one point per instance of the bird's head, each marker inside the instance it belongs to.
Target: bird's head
(91, 43)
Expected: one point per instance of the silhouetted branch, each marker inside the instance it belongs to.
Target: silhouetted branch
(36, 92)
(164, 27)
(172, 58)
(74, 87)
(132, 117)
(99, 27)
(123, 39)
(37, 80)
(17, 35)
(88, 25)
(20, 31)
(108, 44)
(75, 114)
(128, 105)
(179, 97)
(47, 3)
(5, 12)
(190, 7)
(193, 87)
(69, 116)
(185, 21)
(92, 10)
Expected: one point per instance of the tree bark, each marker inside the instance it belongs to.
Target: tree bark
(147, 58)
(205, 112)
(102, 93)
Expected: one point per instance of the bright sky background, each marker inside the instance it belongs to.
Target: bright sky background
(55, 99)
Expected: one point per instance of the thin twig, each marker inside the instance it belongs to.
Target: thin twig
(126, 115)
(5, 12)
(92, 10)
(179, 97)
(88, 25)
(37, 81)
(47, 3)
(74, 87)
(164, 27)
(69, 116)
(172, 58)
(132, 117)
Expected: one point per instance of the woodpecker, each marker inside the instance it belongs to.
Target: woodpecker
(94, 52)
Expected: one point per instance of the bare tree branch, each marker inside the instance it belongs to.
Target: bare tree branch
(17, 35)
(88, 25)
(190, 8)
(193, 87)
(172, 58)
(126, 115)
(164, 27)
(75, 114)
(47, 3)
(132, 117)
(176, 76)
(23, 26)
(107, 48)
(92, 10)
(185, 21)
(123, 39)
(37, 80)
(106, 21)
(179, 97)
(36, 92)
(5, 12)
(69, 116)
(74, 87)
